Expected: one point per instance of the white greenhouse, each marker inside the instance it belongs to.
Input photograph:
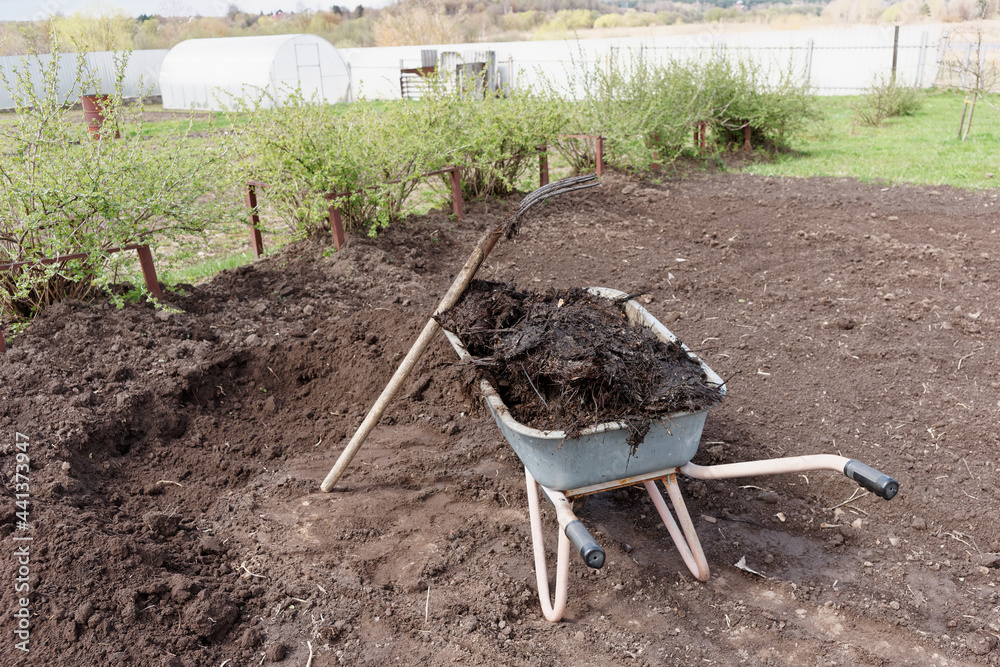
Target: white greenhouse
(216, 74)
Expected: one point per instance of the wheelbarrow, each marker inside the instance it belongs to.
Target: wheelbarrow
(600, 459)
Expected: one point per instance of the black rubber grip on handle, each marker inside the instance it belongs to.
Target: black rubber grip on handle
(878, 483)
(590, 551)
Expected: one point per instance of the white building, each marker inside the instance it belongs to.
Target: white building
(216, 74)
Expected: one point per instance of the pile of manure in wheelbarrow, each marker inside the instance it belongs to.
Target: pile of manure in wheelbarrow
(567, 360)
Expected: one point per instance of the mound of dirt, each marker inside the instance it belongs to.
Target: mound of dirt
(567, 359)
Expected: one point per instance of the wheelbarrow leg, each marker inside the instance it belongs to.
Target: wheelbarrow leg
(687, 541)
(552, 611)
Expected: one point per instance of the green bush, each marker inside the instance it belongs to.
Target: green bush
(305, 150)
(522, 21)
(495, 138)
(620, 98)
(566, 20)
(371, 157)
(647, 108)
(741, 97)
(632, 19)
(885, 98)
(64, 192)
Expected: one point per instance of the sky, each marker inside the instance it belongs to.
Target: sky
(22, 10)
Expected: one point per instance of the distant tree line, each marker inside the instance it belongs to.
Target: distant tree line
(458, 21)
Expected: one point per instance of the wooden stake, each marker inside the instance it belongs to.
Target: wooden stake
(451, 297)
(961, 123)
(972, 110)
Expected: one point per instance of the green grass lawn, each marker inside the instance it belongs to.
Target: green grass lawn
(922, 149)
(158, 122)
(200, 270)
(161, 121)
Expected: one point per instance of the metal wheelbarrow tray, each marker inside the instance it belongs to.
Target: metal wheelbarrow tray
(600, 459)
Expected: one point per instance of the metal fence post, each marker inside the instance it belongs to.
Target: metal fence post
(458, 206)
(543, 166)
(336, 223)
(895, 52)
(149, 271)
(809, 59)
(920, 60)
(256, 240)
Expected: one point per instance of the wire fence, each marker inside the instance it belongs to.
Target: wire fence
(830, 61)
(970, 66)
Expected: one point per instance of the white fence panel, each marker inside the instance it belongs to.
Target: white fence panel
(837, 61)
(142, 73)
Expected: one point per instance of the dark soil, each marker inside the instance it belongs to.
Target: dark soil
(567, 360)
(175, 456)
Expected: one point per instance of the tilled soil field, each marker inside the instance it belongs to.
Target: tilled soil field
(175, 518)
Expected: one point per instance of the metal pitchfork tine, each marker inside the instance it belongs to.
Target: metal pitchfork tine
(451, 297)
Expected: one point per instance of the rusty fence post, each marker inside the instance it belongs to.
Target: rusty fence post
(543, 166)
(148, 270)
(746, 138)
(457, 204)
(256, 240)
(700, 135)
(336, 221)
(599, 150)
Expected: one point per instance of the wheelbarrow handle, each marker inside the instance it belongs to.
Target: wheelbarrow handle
(878, 483)
(581, 539)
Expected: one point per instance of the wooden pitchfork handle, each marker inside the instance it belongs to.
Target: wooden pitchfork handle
(452, 296)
